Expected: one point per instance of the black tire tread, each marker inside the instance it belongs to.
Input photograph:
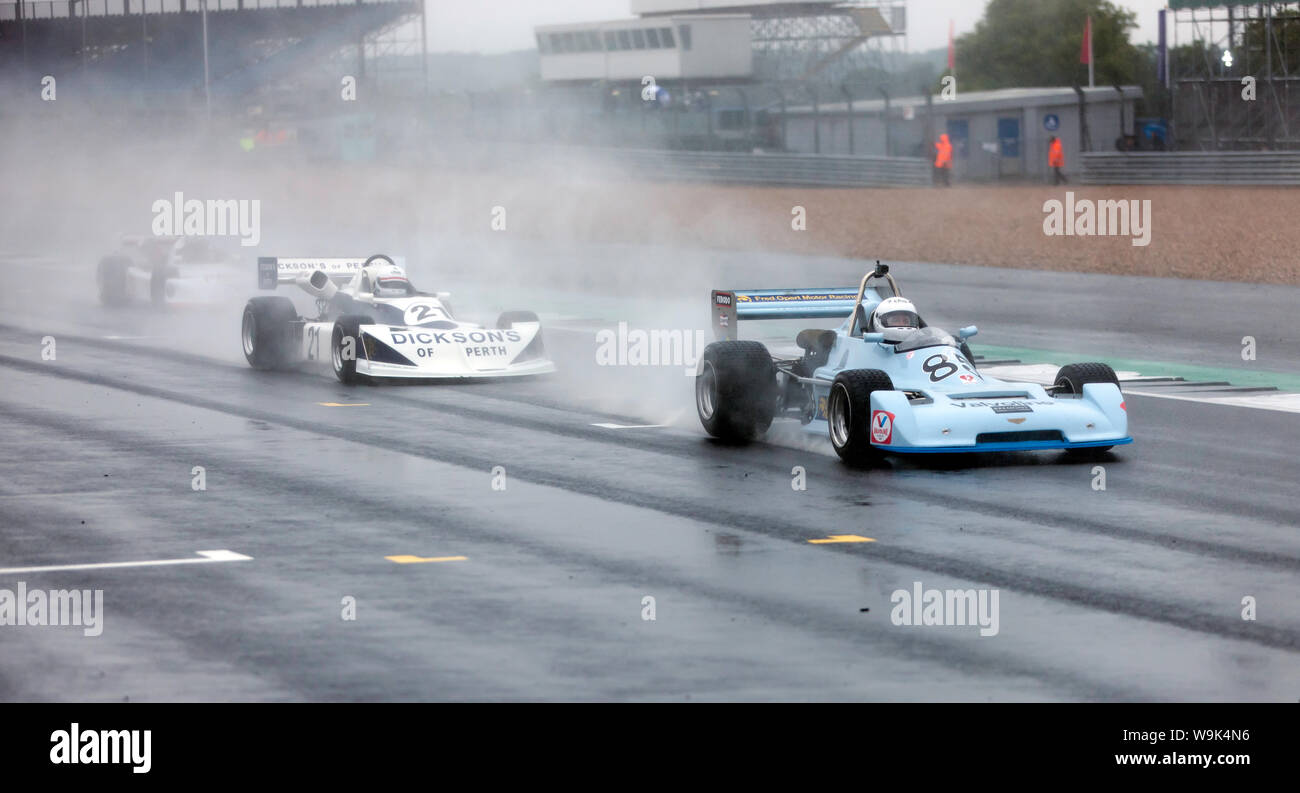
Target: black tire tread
(112, 280)
(1077, 375)
(348, 325)
(861, 384)
(508, 318)
(272, 316)
(746, 382)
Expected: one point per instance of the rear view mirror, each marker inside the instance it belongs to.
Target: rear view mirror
(870, 337)
(968, 331)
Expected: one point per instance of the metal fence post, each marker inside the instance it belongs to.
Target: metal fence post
(848, 104)
(817, 121)
(889, 148)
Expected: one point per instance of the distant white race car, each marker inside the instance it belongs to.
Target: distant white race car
(167, 271)
(372, 323)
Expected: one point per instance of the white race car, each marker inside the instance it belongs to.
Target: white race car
(168, 271)
(372, 323)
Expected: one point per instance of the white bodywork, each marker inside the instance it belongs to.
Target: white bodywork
(208, 278)
(410, 337)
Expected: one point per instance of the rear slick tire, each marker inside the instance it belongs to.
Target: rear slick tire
(265, 332)
(736, 390)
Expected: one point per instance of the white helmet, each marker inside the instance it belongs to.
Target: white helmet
(386, 280)
(895, 313)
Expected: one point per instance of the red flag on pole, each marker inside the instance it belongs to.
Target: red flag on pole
(952, 49)
(1085, 54)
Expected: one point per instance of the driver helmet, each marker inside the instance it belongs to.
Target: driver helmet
(895, 313)
(388, 280)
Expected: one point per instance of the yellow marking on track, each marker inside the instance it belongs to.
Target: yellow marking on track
(841, 538)
(344, 404)
(408, 559)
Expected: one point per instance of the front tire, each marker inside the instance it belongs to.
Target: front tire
(344, 356)
(158, 286)
(1071, 379)
(266, 332)
(736, 390)
(508, 319)
(848, 412)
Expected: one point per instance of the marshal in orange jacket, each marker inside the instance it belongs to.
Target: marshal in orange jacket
(943, 153)
(1056, 155)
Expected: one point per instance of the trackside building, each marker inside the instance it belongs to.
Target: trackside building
(995, 134)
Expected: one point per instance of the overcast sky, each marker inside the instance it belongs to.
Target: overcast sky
(501, 25)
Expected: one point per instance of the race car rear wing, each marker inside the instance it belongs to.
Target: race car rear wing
(730, 306)
(273, 271)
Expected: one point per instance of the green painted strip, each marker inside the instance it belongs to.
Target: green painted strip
(1237, 376)
(635, 312)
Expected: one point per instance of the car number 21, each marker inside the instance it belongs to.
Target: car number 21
(313, 343)
(420, 313)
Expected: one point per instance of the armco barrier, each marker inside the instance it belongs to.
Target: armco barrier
(688, 166)
(1228, 168)
(771, 169)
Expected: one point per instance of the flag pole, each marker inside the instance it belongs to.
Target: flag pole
(952, 50)
(1091, 81)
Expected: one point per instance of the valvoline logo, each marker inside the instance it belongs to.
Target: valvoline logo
(882, 426)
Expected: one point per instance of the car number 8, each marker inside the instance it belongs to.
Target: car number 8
(939, 367)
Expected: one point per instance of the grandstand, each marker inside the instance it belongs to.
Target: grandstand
(787, 40)
(210, 50)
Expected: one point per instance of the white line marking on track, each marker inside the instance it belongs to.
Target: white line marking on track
(1284, 402)
(608, 426)
(1045, 373)
(206, 558)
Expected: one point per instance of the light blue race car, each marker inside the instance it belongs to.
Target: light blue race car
(885, 382)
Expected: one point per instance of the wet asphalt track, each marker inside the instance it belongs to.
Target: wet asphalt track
(1133, 592)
